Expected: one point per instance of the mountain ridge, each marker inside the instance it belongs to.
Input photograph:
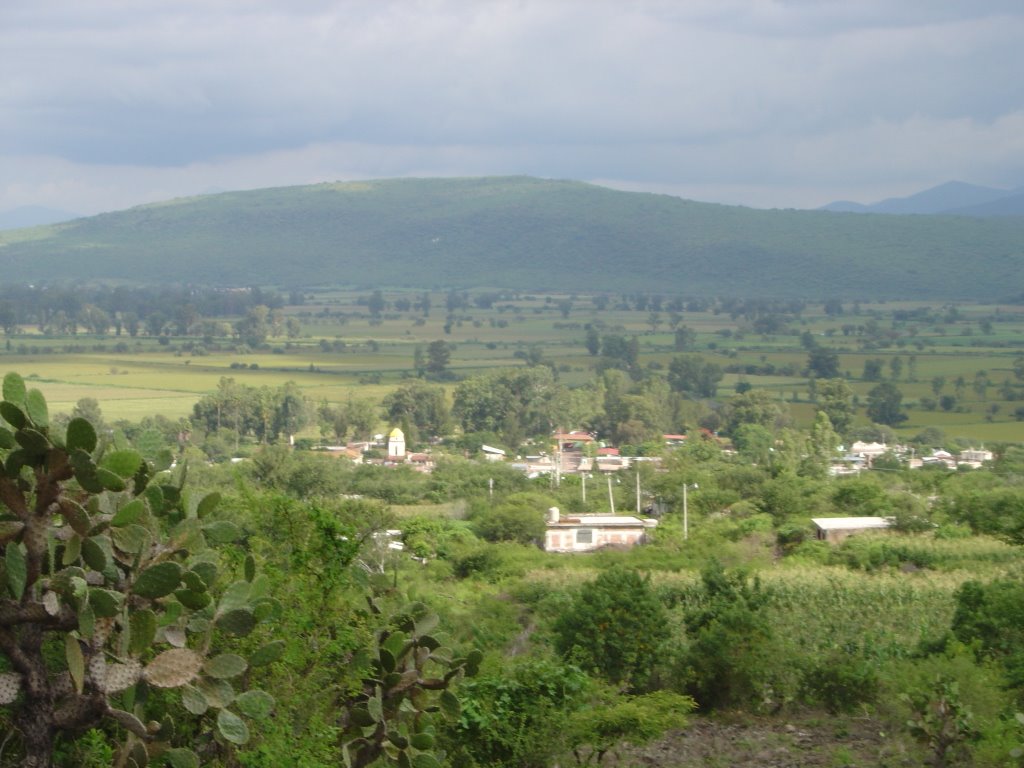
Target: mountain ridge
(952, 198)
(521, 233)
(33, 216)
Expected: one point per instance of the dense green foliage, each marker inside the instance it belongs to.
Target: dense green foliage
(616, 627)
(115, 596)
(524, 233)
(384, 581)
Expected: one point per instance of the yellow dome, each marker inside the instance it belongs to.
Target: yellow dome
(396, 434)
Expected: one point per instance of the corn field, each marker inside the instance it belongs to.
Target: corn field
(876, 616)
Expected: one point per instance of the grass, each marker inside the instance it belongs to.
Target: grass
(448, 511)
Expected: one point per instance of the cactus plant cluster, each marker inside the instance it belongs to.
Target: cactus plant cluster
(109, 551)
(411, 673)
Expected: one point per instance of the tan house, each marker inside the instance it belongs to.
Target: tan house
(835, 529)
(585, 533)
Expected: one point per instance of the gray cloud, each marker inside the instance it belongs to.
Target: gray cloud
(786, 103)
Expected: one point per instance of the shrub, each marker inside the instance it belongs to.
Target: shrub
(733, 659)
(516, 717)
(616, 626)
(841, 683)
(520, 518)
(991, 616)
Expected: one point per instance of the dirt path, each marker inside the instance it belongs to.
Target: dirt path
(809, 741)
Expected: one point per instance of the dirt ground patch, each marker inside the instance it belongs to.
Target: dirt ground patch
(806, 741)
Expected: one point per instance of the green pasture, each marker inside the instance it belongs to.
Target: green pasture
(133, 377)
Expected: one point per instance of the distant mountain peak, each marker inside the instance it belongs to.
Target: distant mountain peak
(949, 197)
(33, 216)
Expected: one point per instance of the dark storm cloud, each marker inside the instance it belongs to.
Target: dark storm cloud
(110, 102)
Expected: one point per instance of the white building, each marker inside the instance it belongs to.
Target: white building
(835, 529)
(975, 457)
(492, 454)
(396, 444)
(585, 533)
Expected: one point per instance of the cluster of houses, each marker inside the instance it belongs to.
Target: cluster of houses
(578, 452)
(862, 455)
(391, 447)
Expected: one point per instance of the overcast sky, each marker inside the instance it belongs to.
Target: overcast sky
(105, 104)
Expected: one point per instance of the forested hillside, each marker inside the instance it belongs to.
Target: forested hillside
(523, 233)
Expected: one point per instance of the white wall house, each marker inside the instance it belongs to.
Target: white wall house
(585, 533)
(492, 454)
(835, 529)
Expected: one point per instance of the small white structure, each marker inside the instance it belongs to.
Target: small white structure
(396, 444)
(585, 533)
(974, 457)
(940, 458)
(492, 454)
(835, 529)
(976, 454)
(869, 450)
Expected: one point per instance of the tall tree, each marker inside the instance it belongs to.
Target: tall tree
(685, 339)
(419, 405)
(834, 399)
(822, 443)
(694, 375)
(822, 362)
(758, 406)
(514, 403)
(885, 401)
(376, 303)
(292, 411)
(873, 369)
(439, 353)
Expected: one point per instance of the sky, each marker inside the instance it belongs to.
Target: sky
(106, 104)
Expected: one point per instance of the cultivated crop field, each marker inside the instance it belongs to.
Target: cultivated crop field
(877, 613)
(971, 355)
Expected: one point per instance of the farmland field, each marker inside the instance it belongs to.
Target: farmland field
(969, 353)
(875, 611)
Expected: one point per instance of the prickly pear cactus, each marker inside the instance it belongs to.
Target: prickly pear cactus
(392, 718)
(111, 552)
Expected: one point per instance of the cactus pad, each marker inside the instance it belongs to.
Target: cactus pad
(158, 580)
(173, 668)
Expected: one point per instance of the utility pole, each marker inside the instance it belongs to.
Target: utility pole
(686, 517)
(686, 512)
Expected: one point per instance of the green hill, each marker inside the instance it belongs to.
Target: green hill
(523, 233)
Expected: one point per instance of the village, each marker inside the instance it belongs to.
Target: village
(579, 452)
